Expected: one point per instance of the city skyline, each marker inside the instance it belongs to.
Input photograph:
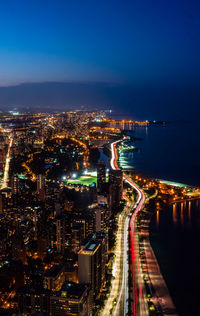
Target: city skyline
(99, 157)
(76, 210)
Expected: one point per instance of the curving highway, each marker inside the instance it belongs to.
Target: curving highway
(117, 302)
(139, 303)
(120, 288)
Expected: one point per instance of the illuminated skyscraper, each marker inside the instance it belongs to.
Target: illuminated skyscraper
(90, 265)
(60, 234)
(40, 182)
(15, 185)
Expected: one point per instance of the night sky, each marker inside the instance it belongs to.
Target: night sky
(142, 57)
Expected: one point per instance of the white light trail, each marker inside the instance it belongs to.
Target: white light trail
(7, 166)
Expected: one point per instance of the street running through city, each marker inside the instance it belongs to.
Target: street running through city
(119, 295)
(7, 166)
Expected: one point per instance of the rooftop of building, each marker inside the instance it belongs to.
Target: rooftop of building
(90, 247)
(73, 290)
(54, 271)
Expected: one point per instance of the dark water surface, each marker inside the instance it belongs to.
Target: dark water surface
(175, 238)
(170, 152)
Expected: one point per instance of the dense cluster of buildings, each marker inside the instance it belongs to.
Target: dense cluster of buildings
(55, 237)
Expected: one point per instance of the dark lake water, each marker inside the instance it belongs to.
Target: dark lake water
(175, 237)
(170, 152)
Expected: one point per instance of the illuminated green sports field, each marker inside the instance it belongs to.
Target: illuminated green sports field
(87, 179)
(83, 180)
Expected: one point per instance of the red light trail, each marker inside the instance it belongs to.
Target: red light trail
(139, 305)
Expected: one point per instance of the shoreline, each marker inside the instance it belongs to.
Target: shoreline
(161, 298)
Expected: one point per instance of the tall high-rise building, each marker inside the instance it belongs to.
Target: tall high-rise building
(101, 218)
(40, 182)
(77, 236)
(90, 265)
(60, 234)
(15, 185)
(101, 176)
(115, 187)
(102, 237)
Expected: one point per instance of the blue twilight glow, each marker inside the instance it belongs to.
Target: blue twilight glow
(98, 40)
(138, 45)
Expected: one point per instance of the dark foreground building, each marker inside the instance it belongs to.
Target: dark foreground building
(73, 299)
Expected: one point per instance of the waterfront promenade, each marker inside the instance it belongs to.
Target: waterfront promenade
(161, 296)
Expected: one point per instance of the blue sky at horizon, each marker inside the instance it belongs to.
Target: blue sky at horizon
(146, 52)
(111, 41)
